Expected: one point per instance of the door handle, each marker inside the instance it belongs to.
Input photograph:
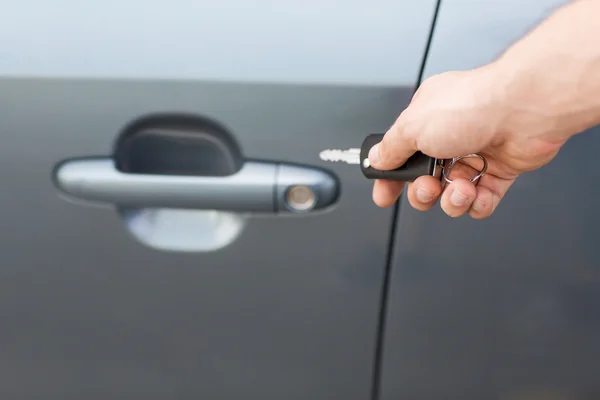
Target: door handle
(260, 187)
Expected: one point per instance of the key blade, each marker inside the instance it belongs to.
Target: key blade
(349, 156)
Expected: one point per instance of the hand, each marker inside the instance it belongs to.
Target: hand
(463, 112)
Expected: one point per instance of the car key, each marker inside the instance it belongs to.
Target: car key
(417, 165)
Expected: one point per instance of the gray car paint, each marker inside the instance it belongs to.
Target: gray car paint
(289, 309)
(506, 308)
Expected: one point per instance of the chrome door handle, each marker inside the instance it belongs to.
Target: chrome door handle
(257, 187)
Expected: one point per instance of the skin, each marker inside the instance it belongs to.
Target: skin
(517, 112)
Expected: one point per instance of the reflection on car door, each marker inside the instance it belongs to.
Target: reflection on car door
(124, 282)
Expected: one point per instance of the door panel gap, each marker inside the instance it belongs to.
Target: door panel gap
(381, 323)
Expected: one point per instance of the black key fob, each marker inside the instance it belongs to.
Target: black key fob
(417, 165)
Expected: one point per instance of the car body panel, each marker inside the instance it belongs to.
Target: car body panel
(505, 308)
(289, 309)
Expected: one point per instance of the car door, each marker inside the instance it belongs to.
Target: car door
(505, 308)
(170, 231)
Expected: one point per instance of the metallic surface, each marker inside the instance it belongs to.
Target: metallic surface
(325, 188)
(349, 156)
(88, 310)
(289, 309)
(250, 189)
(506, 308)
(226, 41)
(300, 197)
(450, 163)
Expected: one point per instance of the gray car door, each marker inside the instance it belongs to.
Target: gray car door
(505, 308)
(148, 146)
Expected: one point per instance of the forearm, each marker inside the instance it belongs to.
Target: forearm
(553, 73)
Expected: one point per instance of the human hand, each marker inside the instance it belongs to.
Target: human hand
(459, 113)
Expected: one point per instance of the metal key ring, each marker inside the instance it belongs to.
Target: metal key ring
(448, 167)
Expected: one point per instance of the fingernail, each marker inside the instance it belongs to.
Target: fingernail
(478, 205)
(374, 154)
(458, 199)
(424, 196)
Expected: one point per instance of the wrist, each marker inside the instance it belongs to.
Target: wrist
(550, 79)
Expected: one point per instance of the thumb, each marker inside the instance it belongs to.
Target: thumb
(393, 150)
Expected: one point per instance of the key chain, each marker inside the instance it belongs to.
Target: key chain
(448, 164)
(417, 165)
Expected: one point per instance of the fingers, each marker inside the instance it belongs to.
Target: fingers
(424, 192)
(490, 190)
(393, 150)
(484, 204)
(489, 193)
(458, 197)
(385, 193)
